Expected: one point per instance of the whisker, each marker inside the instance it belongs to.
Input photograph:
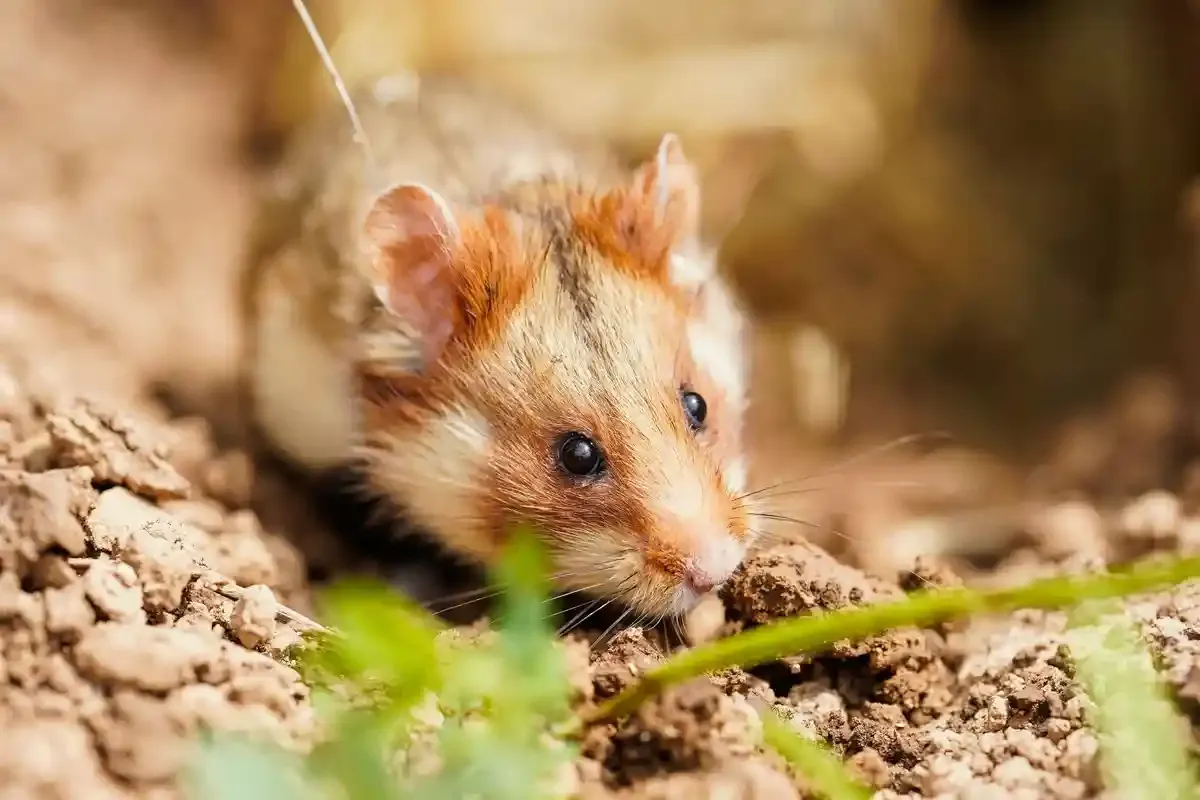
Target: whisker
(471, 593)
(677, 627)
(762, 495)
(556, 597)
(467, 602)
(569, 609)
(584, 616)
(610, 628)
(845, 464)
(491, 591)
(587, 604)
(776, 536)
(782, 518)
(894, 444)
(779, 485)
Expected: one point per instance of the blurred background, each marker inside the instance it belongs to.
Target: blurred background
(974, 216)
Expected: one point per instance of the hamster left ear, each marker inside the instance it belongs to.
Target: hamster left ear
(412, 235)
(668, 186)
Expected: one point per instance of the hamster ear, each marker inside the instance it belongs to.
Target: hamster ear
(670, 185)
(413, 236)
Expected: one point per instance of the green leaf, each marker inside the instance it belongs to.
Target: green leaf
(498, 692)
(354, 757)
(521, 573)
(533, 660)
(381, 636)
(1142, 736)
(235, 768)
(482, 762)
(825, 774)
(508, 689)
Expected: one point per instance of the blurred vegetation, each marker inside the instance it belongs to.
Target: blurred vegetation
(820, 770)
(1144, 750)
(411, 709)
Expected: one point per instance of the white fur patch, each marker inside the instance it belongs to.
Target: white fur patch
(735, 476)
(719, 356)
(436, 473)
(682, 497)
(718, 556)
(301, 389)
(715, 337)
(689, 272)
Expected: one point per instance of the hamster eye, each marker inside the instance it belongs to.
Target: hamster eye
(695, 408)
(580, 456)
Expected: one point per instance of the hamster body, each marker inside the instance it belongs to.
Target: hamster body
(506, 327)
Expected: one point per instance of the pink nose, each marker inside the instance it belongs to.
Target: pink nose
(700, 581)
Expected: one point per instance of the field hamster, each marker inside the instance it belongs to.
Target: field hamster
(506, 327)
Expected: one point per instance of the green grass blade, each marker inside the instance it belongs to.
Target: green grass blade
(816, 633)
(824, 773)
(1142, 736)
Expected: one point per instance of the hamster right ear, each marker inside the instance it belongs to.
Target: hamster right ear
(413, 237)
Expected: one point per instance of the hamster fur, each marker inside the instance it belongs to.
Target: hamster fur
(500, 310)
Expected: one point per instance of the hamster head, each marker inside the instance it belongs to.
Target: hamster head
(582, 373)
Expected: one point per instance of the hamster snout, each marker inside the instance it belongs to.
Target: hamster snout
(710, 564)
(706, 573)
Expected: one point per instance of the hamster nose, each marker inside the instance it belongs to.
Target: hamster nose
(711, 564)
(700, 580)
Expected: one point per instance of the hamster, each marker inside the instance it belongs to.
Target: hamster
(506, 327)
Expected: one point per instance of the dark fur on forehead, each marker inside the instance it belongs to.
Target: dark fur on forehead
(544, 204)
(539, 228)
(615, 222)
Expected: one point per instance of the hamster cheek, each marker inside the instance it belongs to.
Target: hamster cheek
(434, 469)
(594, 560)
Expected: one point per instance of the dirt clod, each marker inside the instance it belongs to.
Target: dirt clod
(116, 447)
(691, 727)
(42, 511)
(253, 618)
(112, 641)
(114, 590)
(628, 656)
(795, 579)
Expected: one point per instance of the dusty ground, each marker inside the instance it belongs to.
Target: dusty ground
(127, 533)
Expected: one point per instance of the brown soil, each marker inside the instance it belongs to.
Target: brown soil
(145, 564)
(117, 604)
(137, 609)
